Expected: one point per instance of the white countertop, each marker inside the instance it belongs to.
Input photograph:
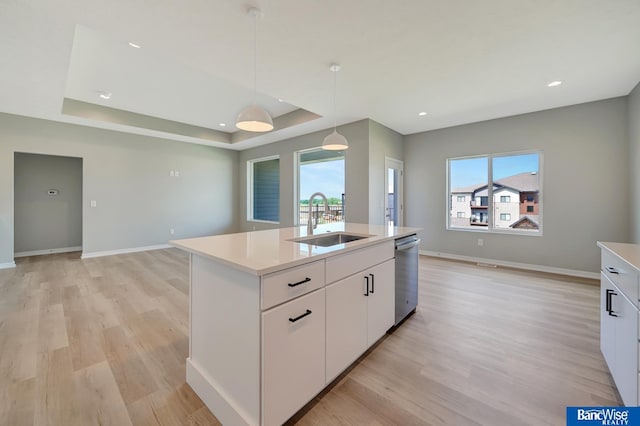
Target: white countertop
(262, 252)
(630, 253)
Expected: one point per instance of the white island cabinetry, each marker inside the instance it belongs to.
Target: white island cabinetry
(264, 309)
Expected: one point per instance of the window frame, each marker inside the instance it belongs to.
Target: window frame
(491, 228)
(250, 189)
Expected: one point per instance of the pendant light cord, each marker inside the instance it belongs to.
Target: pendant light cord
(335, 77)
(255, 54)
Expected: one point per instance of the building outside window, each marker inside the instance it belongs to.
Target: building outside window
(462, 214)
(510, 204)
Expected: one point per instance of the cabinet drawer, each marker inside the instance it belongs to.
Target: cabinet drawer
(293, 361)
(621, 274)
(284, 285)
(342, 266)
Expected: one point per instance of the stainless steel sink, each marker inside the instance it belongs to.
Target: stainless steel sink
(328, 240)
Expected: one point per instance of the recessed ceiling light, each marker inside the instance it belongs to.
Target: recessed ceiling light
(104, 94)
(554, 83)
(422, 114)
(280, 100)
(137, 46)
(222, 124)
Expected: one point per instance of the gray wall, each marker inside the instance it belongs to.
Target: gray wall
(585, 183)
(634, 157)
(356, 172)
(128, 176)
(369, 144)
(43, 221)
(383, 142)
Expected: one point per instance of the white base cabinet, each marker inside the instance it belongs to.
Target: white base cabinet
(360, 309)
(347, 323)
(292, 356)
(619, 324)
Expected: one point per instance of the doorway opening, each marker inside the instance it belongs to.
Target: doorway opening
(393, 184)
(47, 204)
(319, 170)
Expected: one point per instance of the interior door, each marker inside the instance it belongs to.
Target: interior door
(393, 203)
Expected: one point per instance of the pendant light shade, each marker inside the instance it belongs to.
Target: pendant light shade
(254, 118)
(335, 141)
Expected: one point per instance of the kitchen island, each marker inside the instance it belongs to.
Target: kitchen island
(273, 320)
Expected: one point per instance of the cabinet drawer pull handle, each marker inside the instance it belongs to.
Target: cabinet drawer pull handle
(367, 285)
(373, 283)
(306, 280)
(612, 270)
(300, 316)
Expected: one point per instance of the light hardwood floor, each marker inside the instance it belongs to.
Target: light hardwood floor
(104, 341)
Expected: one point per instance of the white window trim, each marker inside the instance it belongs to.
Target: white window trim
(250, 164)
(491, 229)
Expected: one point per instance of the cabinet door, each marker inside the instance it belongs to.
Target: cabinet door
(607, 324)
(626, 349)
(293, 356)
(381, 301)
(346, 323)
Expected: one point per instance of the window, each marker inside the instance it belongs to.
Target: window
(461, 214)
(511, 203)
(461, 198)
(263, 182)
(322, 171)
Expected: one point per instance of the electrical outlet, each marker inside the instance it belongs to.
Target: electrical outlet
(93, 203)
(171, 173)
(480, 242)
(171, 231)
(177, 173)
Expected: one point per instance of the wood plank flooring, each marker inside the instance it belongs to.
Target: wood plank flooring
(103, 342)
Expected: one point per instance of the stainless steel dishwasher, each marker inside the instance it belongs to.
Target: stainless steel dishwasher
(406, 276)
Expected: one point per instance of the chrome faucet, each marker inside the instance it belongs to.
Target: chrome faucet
(310, 224)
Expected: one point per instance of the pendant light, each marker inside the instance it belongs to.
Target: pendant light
(254, 118)
(335, 141)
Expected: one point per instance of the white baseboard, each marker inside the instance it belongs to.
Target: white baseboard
(123, 251)
(7, 265)
(47, 251)
(517, 265)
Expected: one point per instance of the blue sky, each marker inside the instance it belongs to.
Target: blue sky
(471, 171)
(326, 177)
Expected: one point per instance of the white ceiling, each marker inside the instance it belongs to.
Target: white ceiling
(460, 61)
